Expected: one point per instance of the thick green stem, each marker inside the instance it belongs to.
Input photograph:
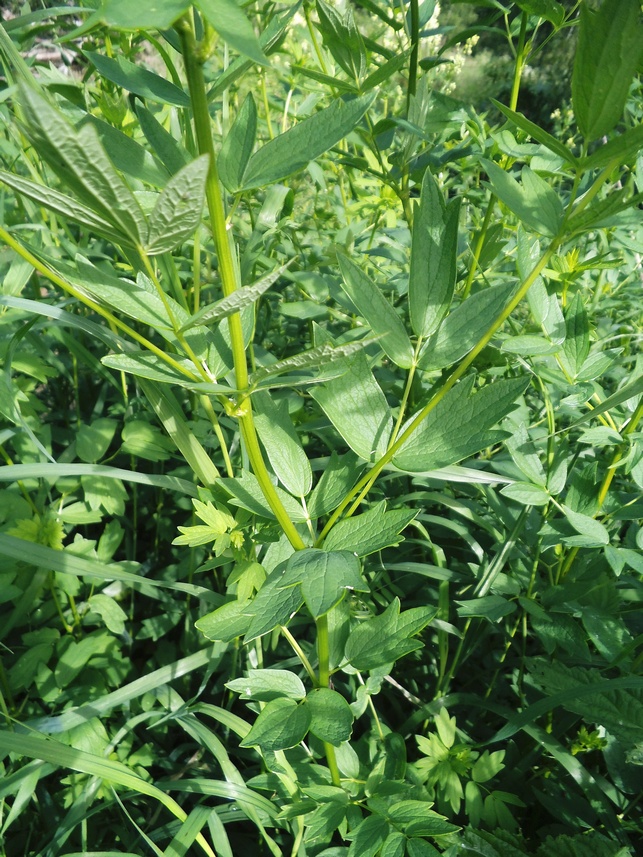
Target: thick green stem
(415, 47)
(323, 654)
(228, 272)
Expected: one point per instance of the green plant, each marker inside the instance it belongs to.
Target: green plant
(283, 346)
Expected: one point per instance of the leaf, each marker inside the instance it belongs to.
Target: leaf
(342, 39)
(629, 391)
(110, 612)
(595, 533)
(128, 156)
(538, 133)
(533, 202)
(368, 837)
(434, 251)
(621, 148)
(383, 639)
(290, 152)
(371, 531)
(377, 311)
(415, 818)
(231, 23)
(285, 452)
(177, 212)
(164, 145)
(324, 577)
(238, 145)
(464, 327)
(79, 159)
(274, 605)
(576, 344)
(246, 492)
(337, 477)
(125, 15)
(138, 80)
(459, 425)
(92, 441)
(490, 607)
(321, 355)
(142, 364)
(526, 493)
(358, 409)
(331, 719)
(267, 684)
(282, 724)
(610, 44)
(550, 10)
(227, 622)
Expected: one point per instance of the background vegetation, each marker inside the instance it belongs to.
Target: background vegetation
(320, 505)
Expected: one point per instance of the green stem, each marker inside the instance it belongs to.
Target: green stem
(362, 487)
(299, 652)
(323, 654)
(415, 46)
(227, 271)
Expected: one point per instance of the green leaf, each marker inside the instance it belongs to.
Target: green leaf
(610, 44)
(177, 212)
(459, 425)
(290, 152)
(128, 156)
(377, 311)
(80, 161)
(331, 719)
(490, 607)
(526, 494)
(358, 409)
(285, 452)
(110, 612)
(394, 846)
(576, 345)
(434, 252)
(323, 821)
(238, 145)
(337, 477)
(145, 441)
(621, 148)
(324, 577)
(595, 533)
(125, 15)
(550, 10)
(629, 391)
(343, 40)
(246, 492)
(165, 146)
(266, 684)
(282, 724)
(227, 622)
(321, 355)
(230, 22)
(464, 327)
(92, 441)
(138, 80)
(415, 818)
(274, 605)
(368, 837)
(538, 133)
(533, 201)
(387, 637)
(369, 532)
(146, 365)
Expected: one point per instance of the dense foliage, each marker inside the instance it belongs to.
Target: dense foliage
(321, 489)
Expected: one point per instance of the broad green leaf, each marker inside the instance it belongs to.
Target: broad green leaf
(267, 684)
(369, 532)
(177, 212)
(622, 148)
(227, 622)
(138, 80)
(146, 365)
(246, 492)
(321, 355)
(128, 156)
(342, 39)
(576, 345)
(80, 161)
(324, 577)
(282, 724)
(604, 212)
(594, 532)
(490, 607)
(459, 425)
(93, 440)
(358, 409)
(629, 391)
(290, 152)
(434, 251)
(395, 845)
(533, 201)
(337, 477)
(240, 298)
(525, 456)
(274, 605)
(110, 612)
(416, 818)
(526, 493)
(377, 311)
(165, 146)
(324, 820)
(143, 15)
(538, 133)
(62, 204)
(238, 145)
(387, 637)
(285, 452)
(331, 719)
(368, 837)
(550, 10)
(144, 440)
(464, 327)
(230, 22)
(610, 45)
